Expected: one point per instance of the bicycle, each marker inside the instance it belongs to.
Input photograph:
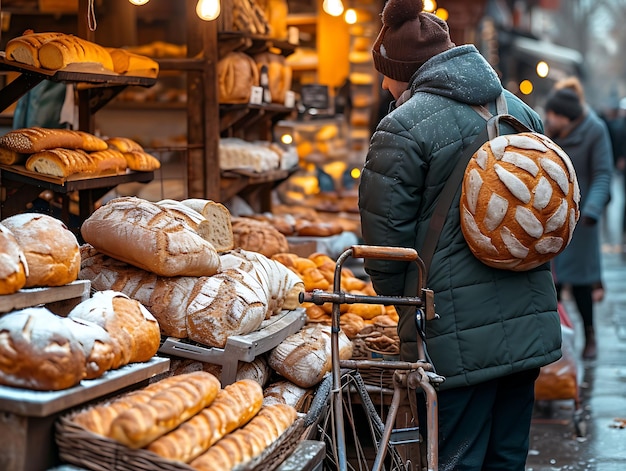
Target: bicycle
(408, 378)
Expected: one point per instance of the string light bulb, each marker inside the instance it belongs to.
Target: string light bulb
(138, 2)
(333, 7)
(208, 10)
(351, 16)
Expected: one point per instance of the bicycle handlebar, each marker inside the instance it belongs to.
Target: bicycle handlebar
(384, 253)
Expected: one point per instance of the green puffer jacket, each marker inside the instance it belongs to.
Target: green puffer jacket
(492, 322)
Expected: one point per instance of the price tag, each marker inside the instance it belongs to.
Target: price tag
(290, 99)
(256, 96)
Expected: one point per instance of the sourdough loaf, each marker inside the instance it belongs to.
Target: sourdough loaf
(39, 351)
(134, 331)
(278, 72)
(165, 297)
(97, 346)
(13, 265)
(237, 73)
(220, 230)
(51, 249)
(233, 407)
(248, 442)
(25, 49)
(285, 392)
(146, 235)
(60, 162)
(143, 423)
(61, 51)
(258, 236)
(517, 212)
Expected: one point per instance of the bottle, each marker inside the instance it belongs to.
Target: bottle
(265, 84)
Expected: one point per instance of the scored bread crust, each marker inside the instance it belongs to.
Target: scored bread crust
(60, 162)
(67, 49)
(25, 49)
(124, 144)
(13, 265)
(237, 73)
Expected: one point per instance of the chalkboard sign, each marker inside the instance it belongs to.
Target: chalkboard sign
(315, 96)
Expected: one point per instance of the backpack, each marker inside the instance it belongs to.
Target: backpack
(519, 196)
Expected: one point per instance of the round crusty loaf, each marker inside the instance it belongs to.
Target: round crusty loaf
(38, 351)
(517, 214)
(97, 347)
(258, 236)
(51, 249)
(237, 73)
(13, 265)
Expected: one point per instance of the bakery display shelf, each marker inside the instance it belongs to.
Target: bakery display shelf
(240, 115)
(238, 347)
(252, 43)
(28, 297)
(29, 403)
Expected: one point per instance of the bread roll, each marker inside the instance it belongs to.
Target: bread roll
(237, 73)
(165, 297)
(220, 230)
(36, 139)
(67, 49)
(305, 357)
(140, 425)
(147, 236)
(519, 201)
(258, 236)
(124, 144)
(233, 407)
(60, 162)
(129, 63)
(51, 249)
(244, 444)
(38, 351)
(13, 265)
(25, 49)
(231, 302)
(134, 331)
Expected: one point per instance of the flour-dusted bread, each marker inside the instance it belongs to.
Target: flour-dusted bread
(51, 249)
(134, 331)
(220, 229)
(258, 236)
(39, 351)
(13, 265)
(25, 49)
(64, 50)
(231, 302)
(166, 297)
(285, 392)
(305, 357)
(517, 212)
(97, 346)
(148, 236)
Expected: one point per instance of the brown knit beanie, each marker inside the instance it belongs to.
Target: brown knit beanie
(565, 102)
(408, 38)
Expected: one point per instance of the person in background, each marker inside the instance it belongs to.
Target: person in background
(496, 328)
(585, 138)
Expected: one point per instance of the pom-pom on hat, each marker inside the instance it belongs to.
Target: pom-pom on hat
(565, 102)
(408, 38)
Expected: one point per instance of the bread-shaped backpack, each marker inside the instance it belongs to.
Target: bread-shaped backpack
(519, 201)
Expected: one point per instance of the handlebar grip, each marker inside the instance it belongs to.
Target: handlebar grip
(384, 253)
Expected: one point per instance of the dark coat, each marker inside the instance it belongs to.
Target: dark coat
(492, 322)
(589, 146)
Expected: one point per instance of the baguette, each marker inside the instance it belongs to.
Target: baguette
(25, 49)
(126, 62)
(244, 444)
(98, 419)
(108, 160)
(124, 144)
(140, 425)
(60, 162)
(11, 157)
(36, 139)
(91, 143)
(141, 161)
(67, 49)
(233, 407)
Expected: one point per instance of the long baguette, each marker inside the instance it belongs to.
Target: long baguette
(25, 49)
(67, 49)
(248, 442)
(60, 162)
(144, 423)
(234, 406)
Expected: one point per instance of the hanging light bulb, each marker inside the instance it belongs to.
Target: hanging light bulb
(138, 2)
(208, 9)
(333, 7)
(350, 17)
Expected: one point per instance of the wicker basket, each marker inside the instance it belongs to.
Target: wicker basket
(87, 450)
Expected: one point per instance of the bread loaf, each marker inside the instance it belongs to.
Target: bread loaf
(13, 265)
(129, 63)
(142, 424)
(97, 346)
(36, 139)
(11, 157)
(59, 52)
(108, 160)
(285, 392)
(305, 357)
(60, 162)
(141, 161)
(25, 49)
(147, 236)
(124, 144)
(244, 444)
(258, 236)
(517, 212)
(231, 302)
(98, 419)
(220, 230)
(38, 351)
(51, 249)
(278, 72)
(133, 330)
(237, 73)
(233, 407)
(165, 297)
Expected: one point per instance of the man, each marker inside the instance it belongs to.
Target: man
(496, 328)
(585, 138)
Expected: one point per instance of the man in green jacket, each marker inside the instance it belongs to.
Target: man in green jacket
(495, 328)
